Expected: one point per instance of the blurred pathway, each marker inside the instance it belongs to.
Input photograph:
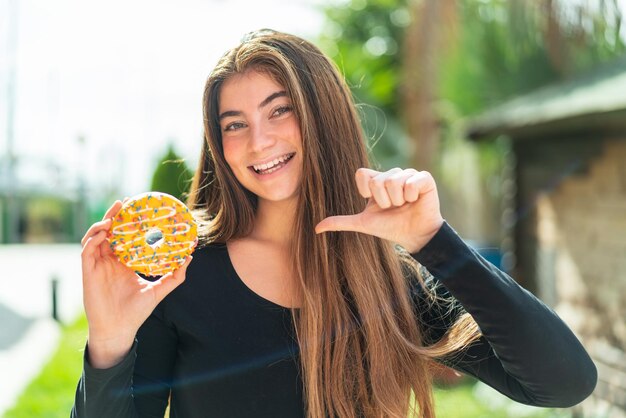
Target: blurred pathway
(28, 335)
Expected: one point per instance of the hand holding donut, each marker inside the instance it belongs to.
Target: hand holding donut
(117, 301)
(403, 207)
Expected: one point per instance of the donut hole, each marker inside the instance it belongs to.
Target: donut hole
(154, 238)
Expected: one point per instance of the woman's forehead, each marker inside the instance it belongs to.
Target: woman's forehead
(247, 89)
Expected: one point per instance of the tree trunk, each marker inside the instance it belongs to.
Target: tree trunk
(419, 77)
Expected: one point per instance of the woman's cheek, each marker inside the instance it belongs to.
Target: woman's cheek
(230, 151)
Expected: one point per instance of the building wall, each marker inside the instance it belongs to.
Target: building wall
(580, 265)
(541, 166)
(42, 218)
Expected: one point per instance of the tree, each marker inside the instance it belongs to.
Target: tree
(405, 57)
(423, 40)
(172, 175)
(364, 39)
(425, 65)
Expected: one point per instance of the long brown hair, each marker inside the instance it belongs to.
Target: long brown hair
(361, 344)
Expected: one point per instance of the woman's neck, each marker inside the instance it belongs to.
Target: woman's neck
(274, 222)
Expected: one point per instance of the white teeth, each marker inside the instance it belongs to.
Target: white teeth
(271, 163)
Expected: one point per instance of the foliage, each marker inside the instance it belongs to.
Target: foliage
(51, 394)
(506, 48)
(494, 49)
(364, 39)
(172, 175)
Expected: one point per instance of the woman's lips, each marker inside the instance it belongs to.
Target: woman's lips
(269, 172)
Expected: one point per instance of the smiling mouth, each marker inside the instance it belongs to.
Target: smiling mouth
(270, 168)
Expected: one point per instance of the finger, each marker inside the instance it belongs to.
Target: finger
(91, 246)
(96, 228)
(105, 248)
(103, 224)
(112, 210)
(181, 272)
(416, 185)
(395, 186)
(378, 187)
(166, 284)
(341, 223)
(411, 189)
(362, 177)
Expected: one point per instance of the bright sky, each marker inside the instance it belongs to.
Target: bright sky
(125, 75)
(128, 76)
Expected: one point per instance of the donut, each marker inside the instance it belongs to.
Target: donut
(153, 233)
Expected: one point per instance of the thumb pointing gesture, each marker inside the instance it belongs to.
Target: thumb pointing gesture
(403, 207)
(341, 223)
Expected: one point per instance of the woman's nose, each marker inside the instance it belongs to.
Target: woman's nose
(262, 138)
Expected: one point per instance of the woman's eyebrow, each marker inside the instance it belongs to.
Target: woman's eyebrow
(230, 113)
(271, 97)
(264, 103)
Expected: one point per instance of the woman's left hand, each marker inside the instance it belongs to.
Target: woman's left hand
(403, 207)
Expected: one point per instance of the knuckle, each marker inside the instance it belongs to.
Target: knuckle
(411, 190)
(426, 174)
(376, 182)
(389, 181)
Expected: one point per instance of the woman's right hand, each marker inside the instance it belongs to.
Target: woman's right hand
(117, 300)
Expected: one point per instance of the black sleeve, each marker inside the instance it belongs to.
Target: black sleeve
(105, 392)
(526, 351)
(139, 385)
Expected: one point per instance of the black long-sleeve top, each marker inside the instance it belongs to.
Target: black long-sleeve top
(223, 351)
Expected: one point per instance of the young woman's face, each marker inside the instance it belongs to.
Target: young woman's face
(261, 136)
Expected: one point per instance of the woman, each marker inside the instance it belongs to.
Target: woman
(305, 297)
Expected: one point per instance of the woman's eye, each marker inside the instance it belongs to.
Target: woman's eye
(282, 110)
(234, 126)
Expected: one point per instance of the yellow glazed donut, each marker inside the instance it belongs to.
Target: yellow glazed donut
(153, 233)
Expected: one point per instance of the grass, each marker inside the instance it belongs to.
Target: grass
(450, 401)
(51, 394)
(461, 401)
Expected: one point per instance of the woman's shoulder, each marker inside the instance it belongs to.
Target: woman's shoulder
(210, 249)
(210, 245)
(205, 273)
(208, 259)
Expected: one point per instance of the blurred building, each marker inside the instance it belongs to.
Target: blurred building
(564, 220)
(39, 203)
